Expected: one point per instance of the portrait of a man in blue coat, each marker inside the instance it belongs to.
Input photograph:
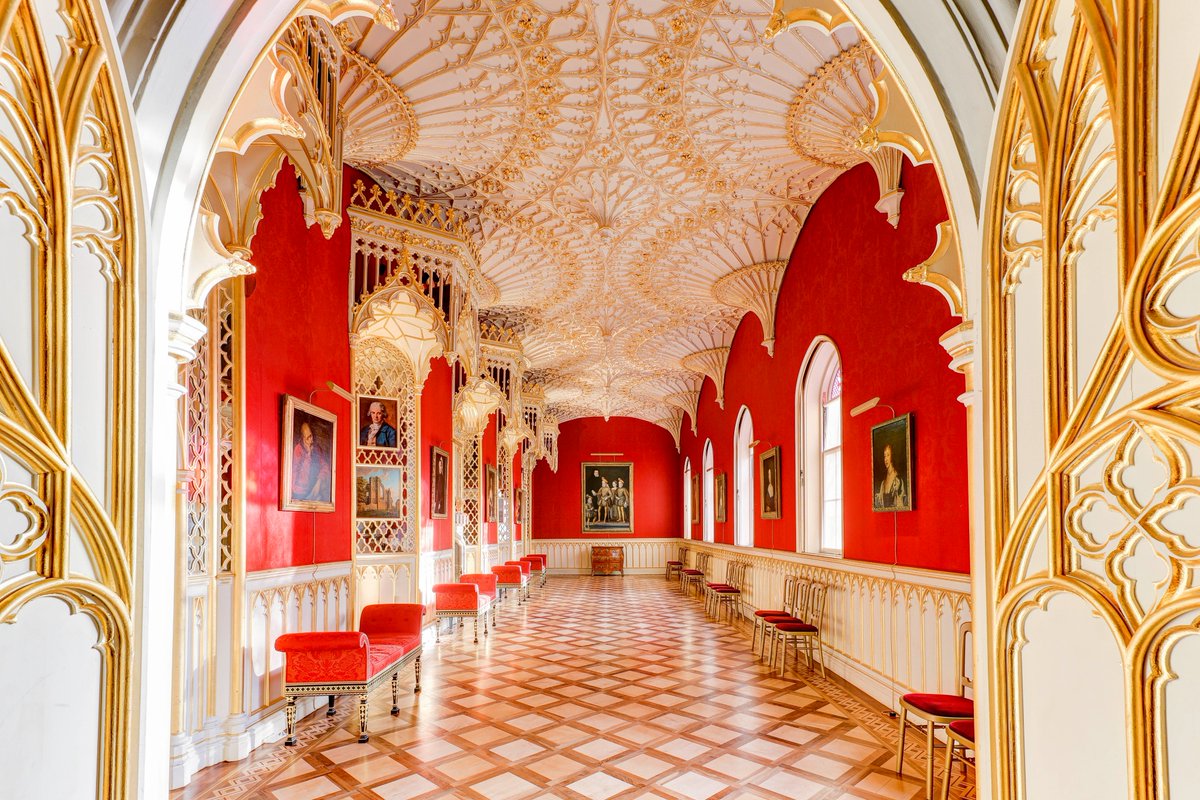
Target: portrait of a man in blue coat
(377, 432)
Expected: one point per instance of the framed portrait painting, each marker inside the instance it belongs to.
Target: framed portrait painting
(695, 499)
(377, 422)
(439, 483)
(719, 490)
(607, 496)
(308, 442)
(891, 465)
(770, 492)
(491, 495)
(377, 492)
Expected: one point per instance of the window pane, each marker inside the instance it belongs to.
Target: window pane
(831, 475)
(831, 500)
(831, 434)
(831, 526)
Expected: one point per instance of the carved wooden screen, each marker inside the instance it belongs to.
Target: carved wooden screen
(68, 487)
(385, 549)
(1095, 305)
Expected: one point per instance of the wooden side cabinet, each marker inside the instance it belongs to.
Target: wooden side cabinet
(608, 559)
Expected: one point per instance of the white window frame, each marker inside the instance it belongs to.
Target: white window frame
(819, 365)
(687, 498)
(743, 479)
(708, 517)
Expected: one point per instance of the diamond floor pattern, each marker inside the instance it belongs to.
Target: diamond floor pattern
(598, 688)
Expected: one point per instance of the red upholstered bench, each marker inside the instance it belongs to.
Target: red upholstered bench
(353, 662)
(545, 564)
(526, 570)
(487, 588)
(459, 600)
(510, 576)
(537, 569)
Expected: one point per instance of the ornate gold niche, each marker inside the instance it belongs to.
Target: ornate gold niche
(1092, 224)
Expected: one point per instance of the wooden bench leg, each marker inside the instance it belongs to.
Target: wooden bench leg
(362, 719)
(291, 721)
(477, 630)
(437, 627)
(395, 693)
(417, 674)
(329, 712)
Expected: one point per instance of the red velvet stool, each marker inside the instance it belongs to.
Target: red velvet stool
(541, 567)
(487, 588)
(458, 601)
(535, 566)
(510, 576)
(526, 570)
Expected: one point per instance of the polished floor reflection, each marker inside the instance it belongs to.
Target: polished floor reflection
(598, 688)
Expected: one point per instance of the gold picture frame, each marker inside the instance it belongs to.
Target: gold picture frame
(439, 483)
(770, 490)
(606, 501)
(491, 494)
(380, 413)
(308, 457)
(720, 490)
(891, 465)
(695, 499)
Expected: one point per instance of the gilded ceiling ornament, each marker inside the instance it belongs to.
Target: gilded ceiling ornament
(612, 162)
(828, 121)
(754, 288)
(379, 121)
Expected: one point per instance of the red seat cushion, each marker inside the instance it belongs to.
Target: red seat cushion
(380, 657)
(778, 618)
(964, 728)
(770, 613)
(692, 572)
(716, 585)
(941, 705)
(673, 563)
(406, 643)
(796, 627)
(726, 590)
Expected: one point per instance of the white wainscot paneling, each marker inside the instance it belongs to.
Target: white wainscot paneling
(887, 630)
(574, 556)
(385, 579)
(436, 567)
(274, 602)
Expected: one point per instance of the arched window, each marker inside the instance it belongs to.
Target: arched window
(687, 498)
(819, 450)
(707, 480)
(743, 480)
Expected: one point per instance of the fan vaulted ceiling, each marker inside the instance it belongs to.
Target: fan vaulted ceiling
(636, 171)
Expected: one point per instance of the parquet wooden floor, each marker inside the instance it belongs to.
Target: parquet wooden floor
(598, 688)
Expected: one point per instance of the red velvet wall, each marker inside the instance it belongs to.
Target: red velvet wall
(488, 459)
(844, 281)
(657, 495)
(296, 340)
(437, 430)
